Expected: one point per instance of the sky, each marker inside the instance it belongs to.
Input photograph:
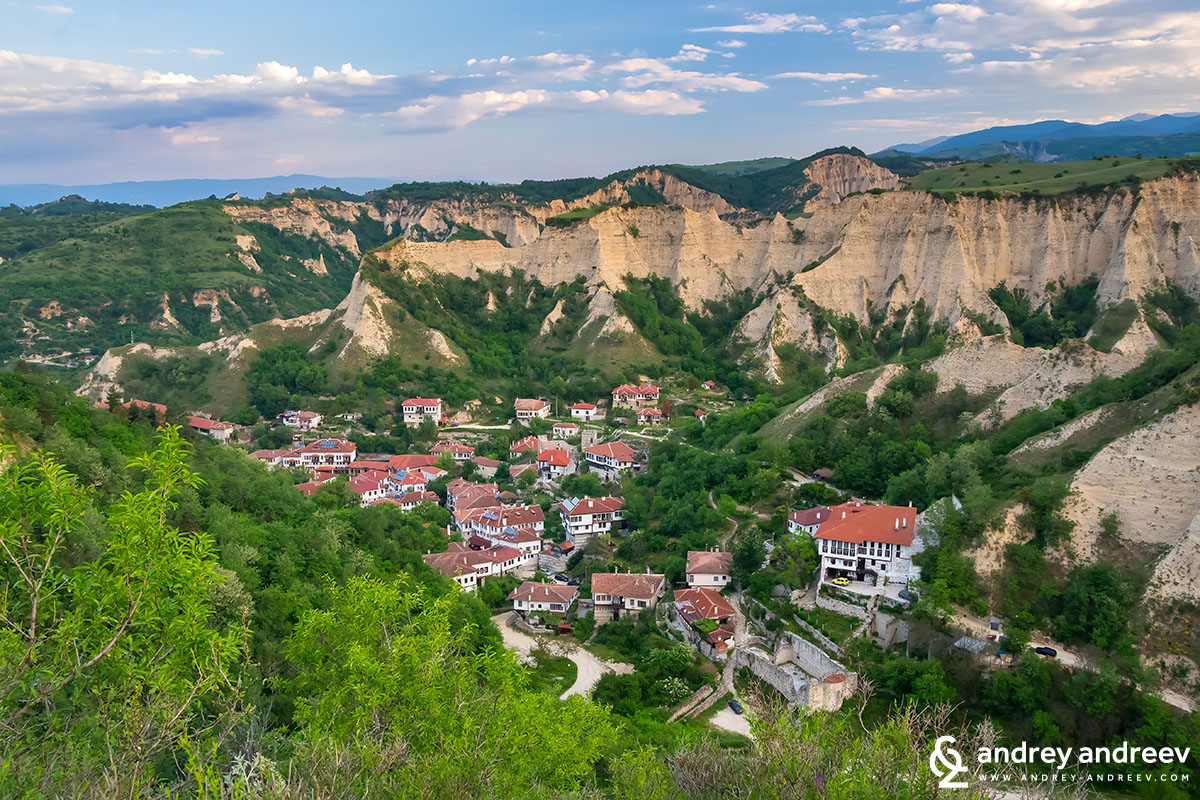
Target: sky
(94, 92)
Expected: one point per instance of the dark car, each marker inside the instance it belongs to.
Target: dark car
(1048, 652)
(735, 706)
(573, 582)
(560, 578)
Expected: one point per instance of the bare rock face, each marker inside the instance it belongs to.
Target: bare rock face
(841, 174)
(305, 217)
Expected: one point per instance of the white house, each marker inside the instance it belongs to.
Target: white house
(585, 517)
(418, 409)
(651, 416)
(588, 412)
(335, 453)
(526, 409)
(610, 460)
(553, 464)
(459, 561)
(863, 542)
(215, 429)
(532, 596)
(461, 452)
(304, 420)
(618, 593)
(807, 520)
(369, 486)
(564, 430)
(708, 569)
(629, 396)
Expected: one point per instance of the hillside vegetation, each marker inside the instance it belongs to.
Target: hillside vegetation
(1031, 177)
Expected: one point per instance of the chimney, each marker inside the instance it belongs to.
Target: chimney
(843, 515)
(897, 523)
(904, 522)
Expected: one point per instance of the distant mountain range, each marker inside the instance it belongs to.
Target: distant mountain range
(1169, 135)
(165, 193)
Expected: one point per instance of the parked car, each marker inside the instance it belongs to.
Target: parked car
(1048, 652)
(905, 594)
(736, 707)
(573, 582)
(560, 578)
(840, 582)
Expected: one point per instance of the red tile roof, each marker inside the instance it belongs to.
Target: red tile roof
(628, 584)
(706, 562)
(522, 445)
(526, 404)
(584, 406)
(330, 446)
(576, 506)
(810, 516)
(421, 401)
(534, 592)
(618, 450)
(859, 523)
(702, 603)
(555, 458)
(411, 461)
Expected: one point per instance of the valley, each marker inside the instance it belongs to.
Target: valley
(401, 405)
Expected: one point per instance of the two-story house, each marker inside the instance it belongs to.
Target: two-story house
(527, 409)
(708, 568)
(532, 596)
(630, 396)
(564, 430)
(553, 464)
(334, 453)
(585, 517)
(460, 452)
(864, 542)
(418, 409)
(588, 412)
(615, 594)
(608, 461)
(807, 520)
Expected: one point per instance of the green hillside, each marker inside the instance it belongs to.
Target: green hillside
(1027, 176)
(114, 272)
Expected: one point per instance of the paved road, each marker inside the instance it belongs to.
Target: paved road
(590, 667)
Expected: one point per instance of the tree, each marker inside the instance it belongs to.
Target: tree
(113, 660)
(748, 556)
(384, 670)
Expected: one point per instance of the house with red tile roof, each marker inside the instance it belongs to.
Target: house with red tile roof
(651, 416)
(709, 613)
(616, 594)
(408, 502)
(533, 596)
(553, 464)
(564, 430)
(470, 567)
(708, 568)
(529, 444)
(309, 488)
(527, 409)
(807, 520)
(369, 486)
(630, 396)
(460, 452)
(213, 428)
(335, 453)
(864, 542)
(411, 461)
(588, 412)
(159, 409)
(586, 517)
(416, 410)
(486, 467)
(462, 495)
(609, 460)
(304, 420)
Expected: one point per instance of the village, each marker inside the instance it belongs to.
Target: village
(541, 538)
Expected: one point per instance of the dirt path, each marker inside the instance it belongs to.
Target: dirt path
(589, 667)
(725, 719)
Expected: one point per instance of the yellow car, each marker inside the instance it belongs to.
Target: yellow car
(840, 582)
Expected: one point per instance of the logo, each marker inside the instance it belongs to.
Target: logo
(946, 763)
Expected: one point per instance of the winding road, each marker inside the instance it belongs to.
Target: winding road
(589, 667)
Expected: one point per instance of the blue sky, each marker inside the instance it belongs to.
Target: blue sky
(94, 92)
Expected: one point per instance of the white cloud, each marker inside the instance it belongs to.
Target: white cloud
(56, 9)
(205, 52)
(439, 113)
(882, 93)
(959, 57)
(825, 77)
(769, 23)
(732, 44)
(648, 71)
(189, 137)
